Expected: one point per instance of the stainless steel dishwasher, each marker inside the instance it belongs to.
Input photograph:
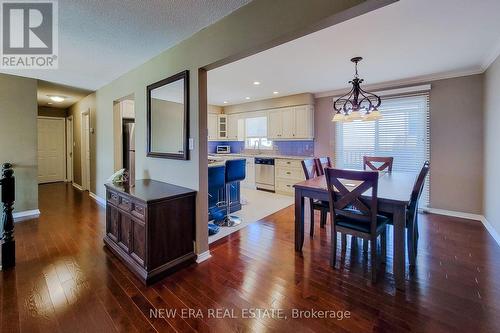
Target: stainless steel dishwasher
(264, 173)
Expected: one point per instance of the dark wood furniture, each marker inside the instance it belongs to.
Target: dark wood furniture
(386, 163)
(8, 244)
(354, 214)
(150, 227)
(394, 193)
(412, 216)
(322, 163)
(310, 171)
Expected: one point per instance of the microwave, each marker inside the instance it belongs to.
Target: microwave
(224, 149)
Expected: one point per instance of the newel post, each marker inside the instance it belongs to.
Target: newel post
(8, 196)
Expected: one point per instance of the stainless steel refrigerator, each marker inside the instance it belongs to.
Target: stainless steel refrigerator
(129, 149)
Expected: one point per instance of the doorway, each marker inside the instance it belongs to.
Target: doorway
(51, 150)
(85, 150)
(124, 135)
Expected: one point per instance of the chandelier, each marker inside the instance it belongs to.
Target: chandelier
(357, 104)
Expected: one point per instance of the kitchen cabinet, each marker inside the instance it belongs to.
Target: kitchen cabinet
(213, 123)
(235, 127)
(291, 123)
(222, 126)
(287, 172)
(249, 181)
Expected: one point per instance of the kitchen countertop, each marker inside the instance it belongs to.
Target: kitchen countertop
(291, 157)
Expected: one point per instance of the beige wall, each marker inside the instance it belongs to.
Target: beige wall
(456, 141)
(87, 103)
(271, 103)
(45, 111)
(492, 145)
(257, 26)
(18, 136)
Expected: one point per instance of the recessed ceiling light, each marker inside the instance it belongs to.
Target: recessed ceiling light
(247, 97)
(225, 102)
(275, 92)
(49, 103)
(256, 83)
(57, 99)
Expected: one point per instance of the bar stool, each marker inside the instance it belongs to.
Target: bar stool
(216, 183)
(235, 172)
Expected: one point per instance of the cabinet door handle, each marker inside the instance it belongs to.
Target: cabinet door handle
(288, 173)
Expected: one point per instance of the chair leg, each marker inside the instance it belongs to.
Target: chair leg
(333, 236)
(373, 250)
(323, 218)
(410, 240)
(365, 245)
(344, 242)
(383, 245)
(311, 208)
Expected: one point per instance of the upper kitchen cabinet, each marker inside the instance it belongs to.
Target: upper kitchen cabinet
(222, 126)
(235, 127)
(291, 123)
(213, 124)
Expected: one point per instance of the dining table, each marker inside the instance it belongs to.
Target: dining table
(394, 192)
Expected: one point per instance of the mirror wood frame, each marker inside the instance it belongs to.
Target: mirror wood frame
(184, 75)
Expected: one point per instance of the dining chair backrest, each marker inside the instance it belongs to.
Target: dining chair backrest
(309, 167)
(322, 163)
(418, 187)
(353, 203)
(386, 163)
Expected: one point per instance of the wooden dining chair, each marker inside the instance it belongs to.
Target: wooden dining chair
(322, 163)
(386, 163)
(311, 171)
(353, 213)
(412, 213)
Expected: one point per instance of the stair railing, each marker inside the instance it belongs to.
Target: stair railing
(8, 244)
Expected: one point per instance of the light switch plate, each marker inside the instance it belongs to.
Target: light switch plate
(191, 144)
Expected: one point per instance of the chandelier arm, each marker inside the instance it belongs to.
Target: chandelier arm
(372, 95)
(342, 98)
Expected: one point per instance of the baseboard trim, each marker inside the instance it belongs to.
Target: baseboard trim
(26, 215)
(78, 187)
(491, 230)
(203, 256)
(98, 199)
(452, 213)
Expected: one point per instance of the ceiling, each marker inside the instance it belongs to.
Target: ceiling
(405, 40)
(99, 40)
(71, 94)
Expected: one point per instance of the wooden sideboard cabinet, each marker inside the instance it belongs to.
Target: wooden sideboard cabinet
(151, 227)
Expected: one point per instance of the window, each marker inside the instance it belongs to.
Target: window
(256, 133)
(403, 133)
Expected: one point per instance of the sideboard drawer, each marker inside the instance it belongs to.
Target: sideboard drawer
(138, 210)
(113, 198)
(125, 204)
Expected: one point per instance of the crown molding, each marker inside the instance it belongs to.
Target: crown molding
(494, 54)
(405, 82)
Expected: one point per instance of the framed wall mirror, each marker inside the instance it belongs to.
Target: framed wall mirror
(168, 117)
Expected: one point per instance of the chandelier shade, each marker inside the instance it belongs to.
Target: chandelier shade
(357, 104)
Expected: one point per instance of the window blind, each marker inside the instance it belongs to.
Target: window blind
(402, 133)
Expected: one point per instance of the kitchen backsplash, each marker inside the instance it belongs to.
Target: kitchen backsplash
(293, 148)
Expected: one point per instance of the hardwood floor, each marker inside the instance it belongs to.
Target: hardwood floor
(65, 281)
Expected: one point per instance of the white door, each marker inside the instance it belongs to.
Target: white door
(51, 147)
(69, 149)
(85, 151)
(212, 127)
(288, 115)
(275, 124)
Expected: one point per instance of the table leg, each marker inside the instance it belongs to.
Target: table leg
(299, 220)
(399, 221)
